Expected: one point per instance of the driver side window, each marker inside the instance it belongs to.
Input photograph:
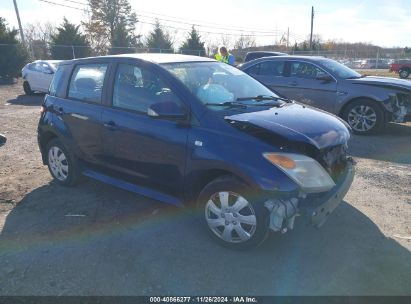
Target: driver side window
(137, 89)
(305, 70)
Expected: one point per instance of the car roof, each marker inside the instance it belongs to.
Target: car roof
(48, 61)
(283, 57)
(155, 58)
(268, 52)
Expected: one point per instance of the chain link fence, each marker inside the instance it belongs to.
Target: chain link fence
(357, 59)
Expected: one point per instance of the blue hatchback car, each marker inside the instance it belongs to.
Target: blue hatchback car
(189, 130)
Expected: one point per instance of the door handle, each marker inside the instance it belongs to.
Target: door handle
(59, 110)
(111, 125)
(294, 83)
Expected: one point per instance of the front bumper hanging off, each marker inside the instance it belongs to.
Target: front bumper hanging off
(316, 210)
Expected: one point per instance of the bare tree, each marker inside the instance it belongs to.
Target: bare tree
(227, 41)
(245, 42)
(38, 36)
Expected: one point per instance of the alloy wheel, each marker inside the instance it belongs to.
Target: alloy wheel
(58, 163)
(231, 217)
(362, 118)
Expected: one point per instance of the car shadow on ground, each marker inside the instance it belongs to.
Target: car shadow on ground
(98, 240)
(396, 147)
(27, 100)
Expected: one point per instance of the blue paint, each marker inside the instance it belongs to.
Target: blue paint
(133, 188)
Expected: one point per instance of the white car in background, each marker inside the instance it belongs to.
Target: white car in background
(38, 75)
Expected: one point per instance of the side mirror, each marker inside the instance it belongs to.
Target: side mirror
(166, 110)
(3, 140)
(325, 78)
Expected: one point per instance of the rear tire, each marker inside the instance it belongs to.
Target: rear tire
(232, 215)
(404, 73)
(62, 164)
(27, 88)
(364, 116)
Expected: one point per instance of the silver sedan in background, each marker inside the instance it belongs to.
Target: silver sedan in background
(38, 75)
(367, 103)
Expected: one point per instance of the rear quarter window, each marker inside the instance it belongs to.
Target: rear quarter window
(86, 83)
(58, 79)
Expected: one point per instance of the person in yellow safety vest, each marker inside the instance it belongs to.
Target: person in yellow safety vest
(225, 56)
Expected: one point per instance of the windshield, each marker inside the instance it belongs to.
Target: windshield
(217, 83)
(339, 69)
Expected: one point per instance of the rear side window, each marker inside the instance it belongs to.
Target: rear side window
(57, 80)
(267, 68)
(254, 69)
(87, 82)
(271, 68)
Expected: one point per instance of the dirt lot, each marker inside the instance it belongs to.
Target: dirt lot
(377, 72)
(98, 240)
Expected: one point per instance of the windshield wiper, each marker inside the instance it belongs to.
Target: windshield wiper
(262, 98)
(242, 105)
(227, 104)
(355, 77)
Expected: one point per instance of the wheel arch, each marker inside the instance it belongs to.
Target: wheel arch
(45, 138)
(203, 178)
(351, 101)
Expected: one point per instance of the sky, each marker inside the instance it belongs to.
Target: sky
(385, 23)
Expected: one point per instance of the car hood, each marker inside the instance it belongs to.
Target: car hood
(387, 82)
(298, 123)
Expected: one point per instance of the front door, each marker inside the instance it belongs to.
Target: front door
(304, 86)
(145, 150)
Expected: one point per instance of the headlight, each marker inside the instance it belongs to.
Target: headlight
(303, 170)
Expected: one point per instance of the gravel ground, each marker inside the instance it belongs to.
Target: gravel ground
(98, 240)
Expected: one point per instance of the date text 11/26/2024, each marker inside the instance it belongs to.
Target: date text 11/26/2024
(204, 299)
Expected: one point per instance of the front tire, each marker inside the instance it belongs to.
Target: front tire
(232, 215)
(404, 73)
(62, 165)
(27, 88)
(364, 116)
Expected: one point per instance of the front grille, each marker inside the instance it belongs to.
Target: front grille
(334, 160)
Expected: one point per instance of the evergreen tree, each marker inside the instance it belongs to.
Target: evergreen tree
(123, 42)
(113, 23)
(193, 45)
(13, 55)
(68, 34)
(295, 47)
(159, 40)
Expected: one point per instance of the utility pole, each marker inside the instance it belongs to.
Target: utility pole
(312, 24)
(18, 19)
(288, 37)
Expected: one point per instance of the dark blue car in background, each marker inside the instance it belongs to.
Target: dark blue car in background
(189, 130)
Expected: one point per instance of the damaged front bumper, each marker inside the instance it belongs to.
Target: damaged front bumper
(315, 208)
(400, 107)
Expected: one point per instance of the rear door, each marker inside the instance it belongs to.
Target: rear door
(270, 73)
(79, 112)
(145, 150)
